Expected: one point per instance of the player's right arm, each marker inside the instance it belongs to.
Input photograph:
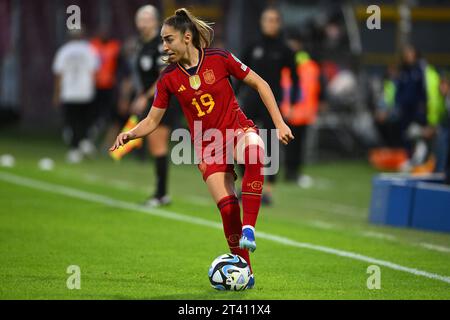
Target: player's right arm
(142, 129)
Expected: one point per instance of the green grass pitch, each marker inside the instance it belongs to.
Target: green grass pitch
(88, 215)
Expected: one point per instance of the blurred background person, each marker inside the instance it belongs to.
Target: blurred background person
(124, 93)
(443, 139)
(420, 106)
(267, 57)
(74, 70)
(411, 102)
(435, 131)
(148, 65)
(385, 115)
(447, 108)
(108, 50)
(302, 113)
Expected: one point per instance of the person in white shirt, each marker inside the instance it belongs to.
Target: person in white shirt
(74, 68)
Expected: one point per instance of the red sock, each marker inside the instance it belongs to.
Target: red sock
(252, 184)
(232, 225)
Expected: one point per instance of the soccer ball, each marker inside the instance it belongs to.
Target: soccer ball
(229, 272)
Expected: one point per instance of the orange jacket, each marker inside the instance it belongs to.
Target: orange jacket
(304, 112)
(109, 55)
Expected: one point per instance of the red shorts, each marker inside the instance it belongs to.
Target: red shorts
(208, 166)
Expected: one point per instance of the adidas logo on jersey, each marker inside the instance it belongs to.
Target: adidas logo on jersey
(182, 88)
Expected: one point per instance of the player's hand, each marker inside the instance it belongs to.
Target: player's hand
(284, 134)
(121, 140)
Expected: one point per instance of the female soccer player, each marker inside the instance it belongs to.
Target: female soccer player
(199, 77)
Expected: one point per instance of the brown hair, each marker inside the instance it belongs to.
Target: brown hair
(183, 20)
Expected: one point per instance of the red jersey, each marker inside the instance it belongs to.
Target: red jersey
(205, 95)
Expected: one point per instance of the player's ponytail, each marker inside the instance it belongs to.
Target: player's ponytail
(183, 20)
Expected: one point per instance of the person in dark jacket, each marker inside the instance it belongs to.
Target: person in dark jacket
(267, 57)
(445, 91)
(410, 97)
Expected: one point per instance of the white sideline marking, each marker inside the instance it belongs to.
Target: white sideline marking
(74, 193)
(206, 201)
(321, 224)
(313, 203)
(435, 247)
(378, 235)
(336, 208)
(202, 201)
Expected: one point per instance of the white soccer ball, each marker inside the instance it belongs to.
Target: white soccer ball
(229, 272)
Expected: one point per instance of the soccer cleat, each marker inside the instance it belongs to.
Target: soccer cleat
(155, 202)
(247, 240)
(251, 282)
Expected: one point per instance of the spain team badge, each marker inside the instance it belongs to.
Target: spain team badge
(209, 77)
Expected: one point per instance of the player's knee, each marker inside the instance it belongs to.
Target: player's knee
(254, 155)
(250, 149)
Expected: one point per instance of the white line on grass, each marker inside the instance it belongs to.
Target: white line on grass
(321, 224)
(435, 247)
(87, 196)
(312, 203)
(206, 202)
(378, 235)
(337, 208)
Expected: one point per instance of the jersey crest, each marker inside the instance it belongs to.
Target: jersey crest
(209, 77)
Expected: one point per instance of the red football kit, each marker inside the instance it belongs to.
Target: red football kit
(207, 100)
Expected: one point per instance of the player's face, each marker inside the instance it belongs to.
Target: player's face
(271, 23)
(174, 43)
(146, 23)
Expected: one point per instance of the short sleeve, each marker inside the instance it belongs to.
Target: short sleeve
(162, 94)
(235, 67)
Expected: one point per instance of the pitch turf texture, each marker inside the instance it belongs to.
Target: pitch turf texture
(315, 243)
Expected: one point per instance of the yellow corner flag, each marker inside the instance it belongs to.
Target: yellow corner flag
(136, 143)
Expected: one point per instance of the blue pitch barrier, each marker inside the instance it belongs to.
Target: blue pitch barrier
(405, 201)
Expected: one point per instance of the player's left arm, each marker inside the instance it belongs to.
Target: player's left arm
(265, 92)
